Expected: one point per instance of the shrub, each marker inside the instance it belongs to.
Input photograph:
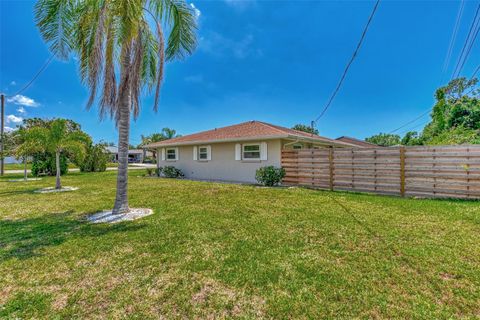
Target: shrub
(172, 172)
(150, 172)
(158, 171)
(44, 164)
(95, 160)
(270, 175)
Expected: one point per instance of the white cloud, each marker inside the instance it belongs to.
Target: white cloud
(23, 101)
(196, 78)
(240, 5)
(13, 83)
(9, 129)
(11, 118)
(197, 12)
(216, 44)
(21, 110)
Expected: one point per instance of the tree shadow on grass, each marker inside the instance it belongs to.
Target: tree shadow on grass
(25, 238)
(17, 192)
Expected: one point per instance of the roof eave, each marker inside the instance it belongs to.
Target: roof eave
(323, 141)
(326, 142)
(165, 143)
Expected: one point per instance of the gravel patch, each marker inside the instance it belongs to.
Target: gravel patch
(21, 180)
(109, 217)
(52, 189)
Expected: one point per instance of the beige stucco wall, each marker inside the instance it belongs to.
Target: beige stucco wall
(223, 165)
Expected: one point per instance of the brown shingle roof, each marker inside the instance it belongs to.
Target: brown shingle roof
(250, 130)
(356, 142)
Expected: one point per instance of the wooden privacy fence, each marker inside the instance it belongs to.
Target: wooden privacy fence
(433, 171)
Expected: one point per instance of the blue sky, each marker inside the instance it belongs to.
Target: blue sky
(275, 61)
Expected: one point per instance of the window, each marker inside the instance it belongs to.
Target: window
(297, 146)
(171, 154)
(203, 153)
(251, 152)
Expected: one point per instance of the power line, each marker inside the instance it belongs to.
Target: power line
(453, 38)
(467, 46)
(364, 33)
(414, 127)
(44, 66)
(475, 72)
(411, 121)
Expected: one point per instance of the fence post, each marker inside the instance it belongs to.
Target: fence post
(402, 171)
(330, 161)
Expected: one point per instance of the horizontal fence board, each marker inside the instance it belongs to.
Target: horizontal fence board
(421, 171)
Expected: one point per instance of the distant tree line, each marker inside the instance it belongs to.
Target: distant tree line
(455, 119)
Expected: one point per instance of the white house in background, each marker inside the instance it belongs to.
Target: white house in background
(234, 153)
(134, 155)
(10, 160)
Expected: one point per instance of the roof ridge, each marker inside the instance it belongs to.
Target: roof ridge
(271, 126)
(210, 130)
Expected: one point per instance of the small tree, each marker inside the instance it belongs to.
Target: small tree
(57, 139)
(384, 139)
(96, 159)
(305, 128)
(25, 148)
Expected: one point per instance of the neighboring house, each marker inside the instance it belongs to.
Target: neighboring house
(234, 153)
(357, 142)
(10, 160)
(134, 155)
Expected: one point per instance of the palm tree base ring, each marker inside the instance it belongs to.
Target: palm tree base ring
(53, 189)
(109, 217)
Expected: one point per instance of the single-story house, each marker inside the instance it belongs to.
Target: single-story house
(234, 153)
(134, 155)
(357, 142)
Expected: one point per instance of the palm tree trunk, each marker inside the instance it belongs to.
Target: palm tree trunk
(123, 123)
(25, 168)
(58, 185)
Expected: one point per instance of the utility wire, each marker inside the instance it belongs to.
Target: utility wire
(475, 72)
(453, 39)
(411, 121)
(414, 127)
(447, 58)
(44, 66)
(364, 33)
(467, 46)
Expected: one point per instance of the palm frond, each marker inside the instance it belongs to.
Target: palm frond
(55, 20)
(136, 72)
(161, 65)
(95, 61)
(182, 39)
(109, 92)
(181, 19)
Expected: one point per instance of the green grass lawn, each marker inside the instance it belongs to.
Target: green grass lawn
(220, 250)
(21, 166)
(16, 166)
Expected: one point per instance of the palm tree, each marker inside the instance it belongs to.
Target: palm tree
(168, 133)
(165, 134)
(55, 139)
(25, 148)
(115, 40)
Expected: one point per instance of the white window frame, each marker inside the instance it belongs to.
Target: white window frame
(175, 154)
(206, 153)
(259, 151)
(297, 145)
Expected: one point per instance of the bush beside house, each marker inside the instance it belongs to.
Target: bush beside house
(269, 176)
